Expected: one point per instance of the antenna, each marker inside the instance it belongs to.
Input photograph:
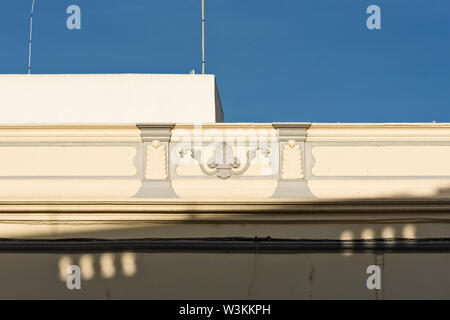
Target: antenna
(31, 33)
(203, 36)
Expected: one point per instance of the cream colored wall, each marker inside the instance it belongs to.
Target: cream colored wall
(40, 167)
(379, 160)
(67, 161)
(376, 161)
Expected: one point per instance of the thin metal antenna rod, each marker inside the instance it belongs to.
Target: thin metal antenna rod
(203, 36)
(31, 33)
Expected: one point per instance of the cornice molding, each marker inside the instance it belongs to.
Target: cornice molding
(69, 133)
(321, 132)
(296, 131)
(394, 132)
(382, 206)
(156, 131)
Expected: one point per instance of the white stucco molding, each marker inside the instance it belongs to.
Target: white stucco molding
(52, 133)
(393, 132)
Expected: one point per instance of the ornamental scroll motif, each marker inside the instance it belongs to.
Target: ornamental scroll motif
(223, 163)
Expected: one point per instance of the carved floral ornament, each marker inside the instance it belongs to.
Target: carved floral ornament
(223, 163)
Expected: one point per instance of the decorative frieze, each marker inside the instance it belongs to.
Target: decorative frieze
(224, 161)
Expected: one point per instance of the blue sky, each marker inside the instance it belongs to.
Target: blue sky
(279, 60)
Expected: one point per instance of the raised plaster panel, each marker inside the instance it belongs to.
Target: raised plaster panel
(76, 189)
(385, 188)
(218, 189)
(156, 168)
(67, 161)
(291, 167)
(366, 161)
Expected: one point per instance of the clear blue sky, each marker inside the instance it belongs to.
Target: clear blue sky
(279, 60)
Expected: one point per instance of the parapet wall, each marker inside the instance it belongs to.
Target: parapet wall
(225, 162)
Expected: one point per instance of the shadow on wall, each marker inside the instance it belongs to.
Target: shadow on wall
(343, 219)
(98, 268)
(107, 265)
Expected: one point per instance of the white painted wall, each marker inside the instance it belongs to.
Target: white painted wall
(107, 98)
